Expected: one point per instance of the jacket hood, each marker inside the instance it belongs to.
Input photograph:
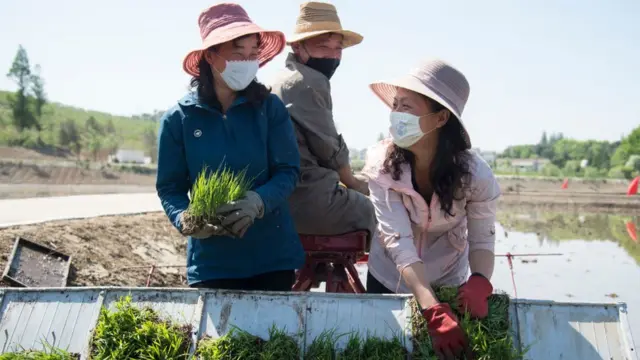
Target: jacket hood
(373, 168)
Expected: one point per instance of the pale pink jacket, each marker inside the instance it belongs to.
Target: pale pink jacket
(410, 230)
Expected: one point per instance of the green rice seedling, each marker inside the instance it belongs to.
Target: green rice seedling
(236, 344)
(280, 346)
(323, 347)
(489, 338)
(373, 348)
(134, 333)
(49, 353)
(210, 191)
(353, 350)
(239, 344)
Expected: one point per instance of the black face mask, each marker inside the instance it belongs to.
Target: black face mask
(326, 66)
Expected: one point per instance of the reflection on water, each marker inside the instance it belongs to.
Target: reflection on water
(556, 227)
(599, 261)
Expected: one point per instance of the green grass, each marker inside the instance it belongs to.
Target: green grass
(373, 348)
(239, 344)
(50, 353)
(323, 346)
(489, 338)
(134, 333)
(210, 191)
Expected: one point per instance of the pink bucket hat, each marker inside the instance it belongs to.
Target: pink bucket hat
(227, 21)
(434, 79)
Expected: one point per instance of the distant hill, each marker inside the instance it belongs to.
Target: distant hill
(113, 131)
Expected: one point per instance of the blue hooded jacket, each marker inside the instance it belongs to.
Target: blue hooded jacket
(192, 135)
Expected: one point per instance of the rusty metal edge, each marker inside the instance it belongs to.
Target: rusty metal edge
(86, 352)
(7, 268)
(198, 314)
(22, 240)
(632, 350)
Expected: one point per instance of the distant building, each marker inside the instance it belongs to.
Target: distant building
(529, 164)
(488, 156)
(129, 156)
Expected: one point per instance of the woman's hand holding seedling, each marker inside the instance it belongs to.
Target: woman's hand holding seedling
(238, 216)
(448, 338)
(202, 230)
(473, 296)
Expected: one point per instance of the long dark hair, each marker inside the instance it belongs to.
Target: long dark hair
(450, 163)
(255, 93)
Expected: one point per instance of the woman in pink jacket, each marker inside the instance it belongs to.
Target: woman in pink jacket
(435, 202)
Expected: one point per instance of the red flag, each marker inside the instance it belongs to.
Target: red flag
(565, 183)
(633, 187)
(631, 229)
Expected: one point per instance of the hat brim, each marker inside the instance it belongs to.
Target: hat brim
(271, 44)
(351, 38)
(386, 91)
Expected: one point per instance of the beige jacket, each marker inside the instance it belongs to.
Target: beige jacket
(319, 205)
(410, 230)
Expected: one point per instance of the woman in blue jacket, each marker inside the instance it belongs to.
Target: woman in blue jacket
(232, 119)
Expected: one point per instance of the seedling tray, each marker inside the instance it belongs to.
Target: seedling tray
(35, 265)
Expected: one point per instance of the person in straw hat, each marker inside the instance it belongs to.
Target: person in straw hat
(319, 204)
(231, 120)
(435, 201)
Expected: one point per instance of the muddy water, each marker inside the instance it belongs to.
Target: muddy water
(600, 259)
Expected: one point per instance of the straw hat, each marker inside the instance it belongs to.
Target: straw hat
(317, 18)
(436, 80)
(227, 21)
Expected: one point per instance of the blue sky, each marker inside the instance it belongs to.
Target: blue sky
(568, 66)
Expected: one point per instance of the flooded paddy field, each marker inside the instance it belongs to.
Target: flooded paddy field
(599, 257)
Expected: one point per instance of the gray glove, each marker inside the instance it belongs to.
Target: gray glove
(239, 215)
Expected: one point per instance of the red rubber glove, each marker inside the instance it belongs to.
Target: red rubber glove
(473, 296)
(447, 337)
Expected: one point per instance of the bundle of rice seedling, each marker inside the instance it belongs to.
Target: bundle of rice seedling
(134, 333)
(489, 338)
(209, 192)
(239, 344)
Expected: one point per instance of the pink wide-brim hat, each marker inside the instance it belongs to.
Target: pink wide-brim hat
(436, 80)
(227, 21)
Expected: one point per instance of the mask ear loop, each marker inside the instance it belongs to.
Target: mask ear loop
(217, 55)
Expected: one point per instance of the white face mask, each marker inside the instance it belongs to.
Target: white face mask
(405, 128)
(239, 74)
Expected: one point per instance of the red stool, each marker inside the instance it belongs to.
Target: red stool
(332, 258)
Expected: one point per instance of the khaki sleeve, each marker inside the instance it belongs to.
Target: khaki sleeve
(312, 112)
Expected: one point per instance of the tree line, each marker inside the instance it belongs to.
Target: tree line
(28, 119)
(588, 158)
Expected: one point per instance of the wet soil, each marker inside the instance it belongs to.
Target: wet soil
(608, 196)
(110, 250)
